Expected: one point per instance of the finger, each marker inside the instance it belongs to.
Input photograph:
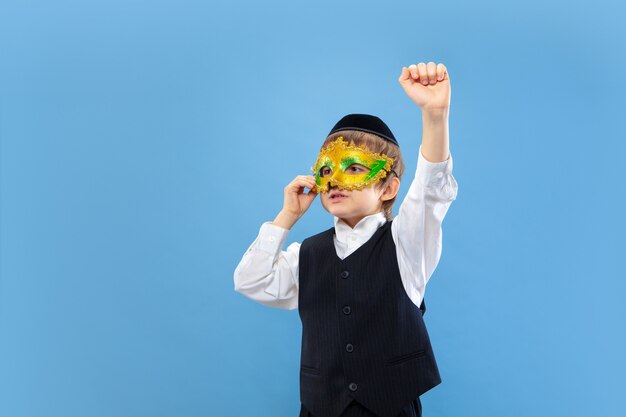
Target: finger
(423, 74)
(404, 76)
(304, 178)
(441, 72)
(311, 182)
(431, 68)
(414, 72)
(298, 183)
(304, 182)
(312, 190)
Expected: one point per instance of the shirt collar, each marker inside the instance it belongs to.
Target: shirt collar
(364, 229)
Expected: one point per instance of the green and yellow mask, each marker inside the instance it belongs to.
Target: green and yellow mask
(334, 167)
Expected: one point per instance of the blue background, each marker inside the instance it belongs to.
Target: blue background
(144, 143)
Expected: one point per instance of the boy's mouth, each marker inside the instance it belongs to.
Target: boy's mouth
(336, 195)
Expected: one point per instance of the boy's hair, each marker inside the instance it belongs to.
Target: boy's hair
(375, 144)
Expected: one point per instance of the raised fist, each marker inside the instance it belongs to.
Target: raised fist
(428, 85)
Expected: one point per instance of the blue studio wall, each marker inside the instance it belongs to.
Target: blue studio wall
(143, 143)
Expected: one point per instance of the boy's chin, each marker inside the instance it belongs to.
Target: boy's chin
(339, 212)
(328, 206)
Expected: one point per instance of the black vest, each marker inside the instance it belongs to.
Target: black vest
(362, 336)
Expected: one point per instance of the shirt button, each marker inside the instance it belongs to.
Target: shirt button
(271, 238)
(349, 347)
(346, 310)
(439, 174)
(353, 238)
(345, 274)
(352, 386)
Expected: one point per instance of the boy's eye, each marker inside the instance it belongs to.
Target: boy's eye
(356, 168)
(324, 171)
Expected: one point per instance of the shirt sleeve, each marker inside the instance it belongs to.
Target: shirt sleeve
(266, 273)
(416, 230)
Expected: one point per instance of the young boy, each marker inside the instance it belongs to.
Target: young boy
(359, 286)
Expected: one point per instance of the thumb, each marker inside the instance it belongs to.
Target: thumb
(405, 77)
(308, 198)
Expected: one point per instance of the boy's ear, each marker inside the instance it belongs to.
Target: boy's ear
(391, 189)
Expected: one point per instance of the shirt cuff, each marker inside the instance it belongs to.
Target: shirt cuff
(272, 237)
(432, 174)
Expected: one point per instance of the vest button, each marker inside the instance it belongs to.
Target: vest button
(345, 274)
(352, 386)
(346, 310)
(349, 347)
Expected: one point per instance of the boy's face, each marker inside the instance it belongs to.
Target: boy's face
(346, 176)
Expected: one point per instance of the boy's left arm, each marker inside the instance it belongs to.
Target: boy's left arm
(417, 227)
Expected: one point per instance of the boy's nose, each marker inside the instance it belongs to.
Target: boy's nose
(330, 189)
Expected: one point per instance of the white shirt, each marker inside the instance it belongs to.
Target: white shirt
(269, 275)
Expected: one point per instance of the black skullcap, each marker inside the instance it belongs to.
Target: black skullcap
(365, 123)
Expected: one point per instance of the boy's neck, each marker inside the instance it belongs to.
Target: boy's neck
(351, 222)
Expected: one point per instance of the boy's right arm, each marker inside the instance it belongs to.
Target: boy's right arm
(267, 274)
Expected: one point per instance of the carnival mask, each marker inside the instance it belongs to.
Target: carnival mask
(334, 167)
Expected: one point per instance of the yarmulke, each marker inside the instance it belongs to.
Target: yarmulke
(365, 123)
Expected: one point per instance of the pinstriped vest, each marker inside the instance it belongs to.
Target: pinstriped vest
(362, 336)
